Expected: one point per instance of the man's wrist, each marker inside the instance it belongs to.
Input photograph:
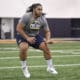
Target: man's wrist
(46, 39)
(27, 37)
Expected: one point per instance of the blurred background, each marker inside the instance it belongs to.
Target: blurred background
(63, 17)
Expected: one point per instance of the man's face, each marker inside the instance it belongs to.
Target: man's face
(38, 11)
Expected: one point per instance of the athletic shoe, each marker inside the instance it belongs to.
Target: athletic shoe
(26, 72)
(52, 70)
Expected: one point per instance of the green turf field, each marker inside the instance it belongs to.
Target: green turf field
(66, 59)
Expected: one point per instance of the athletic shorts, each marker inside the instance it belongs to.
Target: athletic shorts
(39, 40)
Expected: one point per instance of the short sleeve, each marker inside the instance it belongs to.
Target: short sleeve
(24, 19)
(45, 24)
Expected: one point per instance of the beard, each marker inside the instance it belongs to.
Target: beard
(38, 15)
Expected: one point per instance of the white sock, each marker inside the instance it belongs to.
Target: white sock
(49, 63)
(23, 64)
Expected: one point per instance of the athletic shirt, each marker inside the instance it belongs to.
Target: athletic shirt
(32, 26)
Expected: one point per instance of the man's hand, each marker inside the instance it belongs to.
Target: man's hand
(48, 41)
(31, 40)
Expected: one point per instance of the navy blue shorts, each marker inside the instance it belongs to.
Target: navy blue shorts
(39, 40)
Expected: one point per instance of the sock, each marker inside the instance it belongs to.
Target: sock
(49, 63)
(23, 64)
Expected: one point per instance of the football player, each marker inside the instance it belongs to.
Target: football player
(28, 29)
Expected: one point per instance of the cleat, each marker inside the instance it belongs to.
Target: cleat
(52, 70)
(26, 72)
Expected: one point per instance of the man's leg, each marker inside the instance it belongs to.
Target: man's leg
(23, 49)
(47, 56)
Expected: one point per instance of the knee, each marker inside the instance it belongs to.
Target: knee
(23, 47)
(44, 48)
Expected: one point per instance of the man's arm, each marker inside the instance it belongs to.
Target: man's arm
(47, 35)
(20, 30)
(47, 31)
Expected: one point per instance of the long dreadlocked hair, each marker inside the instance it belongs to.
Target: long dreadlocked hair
(33, 6)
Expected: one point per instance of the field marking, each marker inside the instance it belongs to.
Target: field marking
(31, 49)
(13, 48)
(41, 66)
(3, 58)
(60, 51)
(8, 48)
(74, 51)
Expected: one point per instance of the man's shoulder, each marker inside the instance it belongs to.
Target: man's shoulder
(27, 15)
(42, 18)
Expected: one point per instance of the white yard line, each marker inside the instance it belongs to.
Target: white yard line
(11, 48)
(30, 49)
(3, 58)
(8, 58)
(74, 51)
(8, 47)
(41, 66)
(60, 51)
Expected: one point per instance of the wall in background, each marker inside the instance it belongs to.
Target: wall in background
(60, 28)
(53, 8)
(0, 28)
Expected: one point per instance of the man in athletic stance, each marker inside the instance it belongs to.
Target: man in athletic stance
(28, 29)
